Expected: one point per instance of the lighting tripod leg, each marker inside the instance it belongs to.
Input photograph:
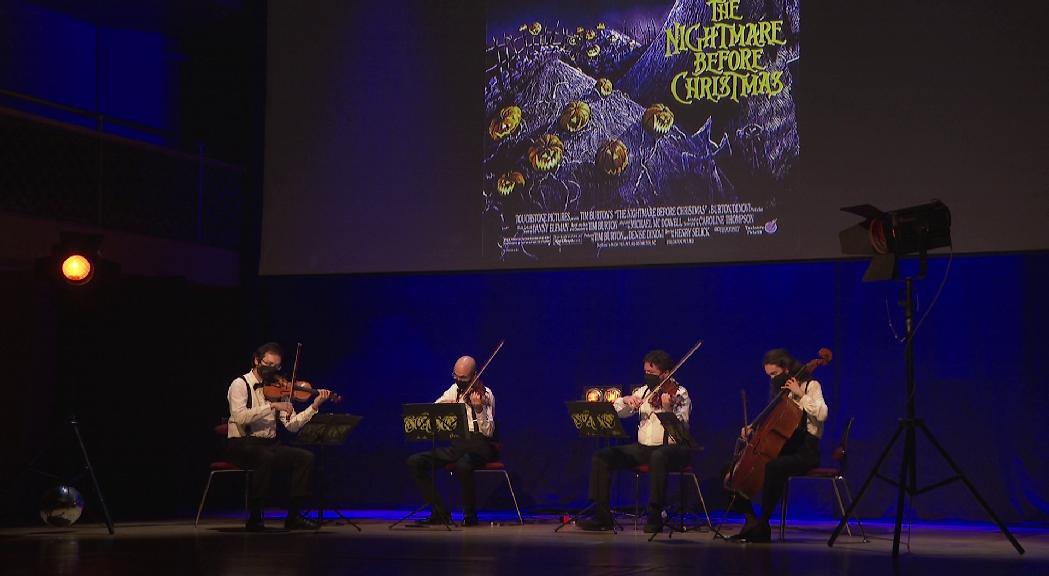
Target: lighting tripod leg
(972, 489)
(91, 472)
(866, 485)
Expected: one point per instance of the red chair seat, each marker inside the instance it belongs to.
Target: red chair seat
(222, 465)
(645, 469)
(823, 472)
(489, 466)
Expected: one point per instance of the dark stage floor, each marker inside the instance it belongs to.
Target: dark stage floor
(220, 546)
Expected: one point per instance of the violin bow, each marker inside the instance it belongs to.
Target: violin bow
(477, 376)
(670, 374)
(294, 373)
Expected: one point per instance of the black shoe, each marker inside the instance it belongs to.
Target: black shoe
(595, 524)
(760, 533)
(470, 520)
(255, 525)
(297, 522)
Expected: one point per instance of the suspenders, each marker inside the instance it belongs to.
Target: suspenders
(247, 427)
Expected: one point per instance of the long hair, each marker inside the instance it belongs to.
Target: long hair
(791, 367)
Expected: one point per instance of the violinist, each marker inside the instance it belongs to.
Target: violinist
(252, 438)
(466, 454)
(654, 447)
(800, 454)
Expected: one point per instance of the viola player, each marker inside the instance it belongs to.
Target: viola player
(252, 438)
(466, 454)
(654, 446)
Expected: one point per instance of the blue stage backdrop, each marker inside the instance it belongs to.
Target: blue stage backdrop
(981, 384)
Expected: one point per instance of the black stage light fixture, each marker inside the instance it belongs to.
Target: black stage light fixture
(76, 259)
(888, 235)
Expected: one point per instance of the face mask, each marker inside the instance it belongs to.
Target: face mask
(461, 383)
(780, 380)
(652, 380)
(267, 373)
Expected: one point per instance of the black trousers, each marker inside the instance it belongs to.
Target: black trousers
(799, 455)
(660, 459)
(467, 456)
(264, 456)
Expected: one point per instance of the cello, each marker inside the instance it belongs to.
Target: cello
(770, 431)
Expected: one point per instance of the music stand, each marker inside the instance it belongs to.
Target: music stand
(323, 432)
(593, 420)
(676, 429)
(445, 421)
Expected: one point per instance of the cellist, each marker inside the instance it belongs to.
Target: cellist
(800, 454)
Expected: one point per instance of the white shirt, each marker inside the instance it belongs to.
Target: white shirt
(650, 430)
(483, 420)
(814, 409)
(260, 417)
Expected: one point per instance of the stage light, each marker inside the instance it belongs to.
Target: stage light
(602, 394)
(888, 235)
(77, 269)
(76, 260)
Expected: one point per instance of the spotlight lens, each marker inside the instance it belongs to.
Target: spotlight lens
(76, 268)
(612, 394)
(593, 395)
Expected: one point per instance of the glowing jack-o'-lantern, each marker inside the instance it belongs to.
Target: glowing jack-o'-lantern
(545, 155)
(508, 182)
(593, 51)
(575, 117)
(508, 121)
(601, 26)
(573, 40)
(590, 35)
(613, 157)
(579, 29)
(535, 29)
(658, 119)
(604, 87)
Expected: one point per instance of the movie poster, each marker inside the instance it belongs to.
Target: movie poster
(660, 131)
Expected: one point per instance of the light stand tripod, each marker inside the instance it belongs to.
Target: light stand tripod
(88, 469)
(907, 483)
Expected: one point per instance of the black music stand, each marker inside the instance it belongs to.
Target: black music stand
(324, 432)
(430, 422)
(594, 420)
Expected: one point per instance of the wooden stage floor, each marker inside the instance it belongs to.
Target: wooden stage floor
(221, 546)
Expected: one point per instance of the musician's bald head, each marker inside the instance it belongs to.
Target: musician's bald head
(465, 368)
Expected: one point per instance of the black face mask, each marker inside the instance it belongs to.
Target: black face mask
(267, 373)
(460, 384)
(652, 380)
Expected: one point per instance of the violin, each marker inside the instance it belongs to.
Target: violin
(286, 390)
(668, 385)
(283, 389)
(769, 432)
